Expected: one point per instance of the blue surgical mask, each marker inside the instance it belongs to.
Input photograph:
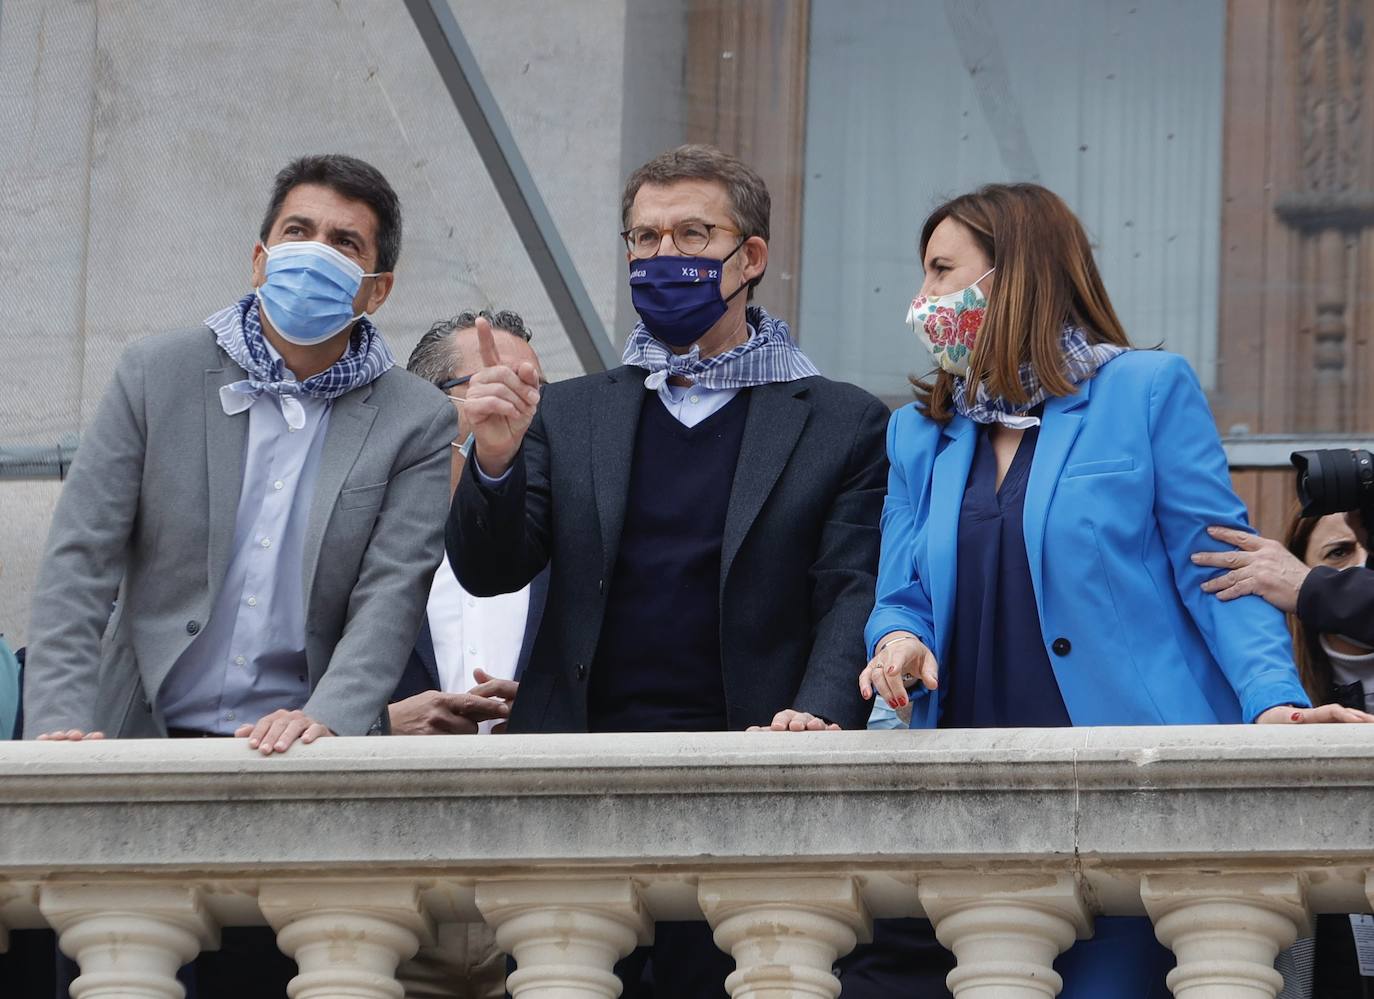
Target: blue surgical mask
(309, 291)
(679, 298)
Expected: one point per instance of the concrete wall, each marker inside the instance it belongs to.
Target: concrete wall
(138, 141)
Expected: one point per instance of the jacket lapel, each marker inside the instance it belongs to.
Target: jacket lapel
(949, 477)
(1059, 428)
(772, 428)
(226, 440)
(615, 422)
(350, 420)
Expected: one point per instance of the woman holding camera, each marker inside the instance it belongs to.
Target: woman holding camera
(1046, 491)
(1333, 668)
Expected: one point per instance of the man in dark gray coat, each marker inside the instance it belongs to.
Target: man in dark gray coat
(259, 499)
(709, 510)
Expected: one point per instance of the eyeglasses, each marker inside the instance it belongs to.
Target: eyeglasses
(449, 383)
(690, 237)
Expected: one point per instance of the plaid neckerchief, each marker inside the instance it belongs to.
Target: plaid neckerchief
(1081, 361)
(238, 330)
(768, 356)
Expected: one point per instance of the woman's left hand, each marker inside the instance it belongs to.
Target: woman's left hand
(1286, 715)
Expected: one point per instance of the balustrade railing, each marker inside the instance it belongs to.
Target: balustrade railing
(362, 852)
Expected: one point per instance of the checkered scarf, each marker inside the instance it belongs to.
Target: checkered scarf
(768, 356)
(1081, 361)
(238, 330)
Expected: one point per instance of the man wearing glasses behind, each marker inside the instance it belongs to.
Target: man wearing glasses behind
(709, 510)
(468, 657)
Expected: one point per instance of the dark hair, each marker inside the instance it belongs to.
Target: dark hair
(750, 203)
(1314, 665)
(1045, 277)
(353, 179)
(435, 356)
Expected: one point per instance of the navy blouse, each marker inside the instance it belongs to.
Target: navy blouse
(998, 674)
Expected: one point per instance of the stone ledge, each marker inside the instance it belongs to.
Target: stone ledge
(1096, 798)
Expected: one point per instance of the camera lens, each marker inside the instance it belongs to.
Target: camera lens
(1334, 481)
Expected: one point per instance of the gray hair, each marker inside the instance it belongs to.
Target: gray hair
(750, 203)
(436, 355)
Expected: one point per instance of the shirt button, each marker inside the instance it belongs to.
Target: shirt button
(290, 430)
(252, 601)
(472, 651)
(279, 484)
(192, 627)
(267, 542)
(229, 716)
(239, 660)
(695, 398)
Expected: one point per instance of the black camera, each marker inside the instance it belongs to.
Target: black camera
(1336, 481)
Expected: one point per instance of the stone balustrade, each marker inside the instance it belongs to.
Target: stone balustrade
(359, 852)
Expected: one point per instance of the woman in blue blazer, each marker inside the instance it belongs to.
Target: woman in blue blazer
(1046, 491)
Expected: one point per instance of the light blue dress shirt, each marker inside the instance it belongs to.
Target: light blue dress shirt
(690, 404)
(249, 660)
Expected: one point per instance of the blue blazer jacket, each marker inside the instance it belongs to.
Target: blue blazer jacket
(1128, 473)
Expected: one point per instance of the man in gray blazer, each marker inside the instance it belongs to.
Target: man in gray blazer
(259, 499)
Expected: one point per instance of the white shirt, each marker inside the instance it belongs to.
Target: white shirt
(473, 633)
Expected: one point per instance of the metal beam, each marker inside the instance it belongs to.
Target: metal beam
(38, 461)
(468, 88)
(1272, 450)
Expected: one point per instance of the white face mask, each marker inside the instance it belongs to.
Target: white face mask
(948, 325)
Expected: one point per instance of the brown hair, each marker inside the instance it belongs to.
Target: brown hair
(1045, 276)
(750, 203)
(1314, 665)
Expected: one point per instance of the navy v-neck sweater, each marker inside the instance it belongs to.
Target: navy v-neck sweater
(657, 664)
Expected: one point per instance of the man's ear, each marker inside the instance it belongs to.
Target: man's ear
(259, 264)
(755, 254)
(377, 290)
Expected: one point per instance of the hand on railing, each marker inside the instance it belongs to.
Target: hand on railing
(791, 720)
(70, 735)
(1286, 714)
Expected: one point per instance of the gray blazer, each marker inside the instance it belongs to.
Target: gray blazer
(147, 516)
(799, 558)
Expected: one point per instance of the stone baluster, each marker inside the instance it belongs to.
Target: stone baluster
(1225, 930)
(128, 939)
(565, 936)
(1005, 930)
(347, 937)
(784, 932)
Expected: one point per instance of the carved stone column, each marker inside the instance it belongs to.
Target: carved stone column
(1005, 931)
(1225, 930)
(128, 939)
(565, 936)
(1329, 203)
(784, 933)
(347, 937)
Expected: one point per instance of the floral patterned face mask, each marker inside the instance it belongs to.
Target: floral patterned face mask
(948, 324)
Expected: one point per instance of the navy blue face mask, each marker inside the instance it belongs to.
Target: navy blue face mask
(679, 298)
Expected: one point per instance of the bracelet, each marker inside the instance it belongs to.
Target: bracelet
(894, 641)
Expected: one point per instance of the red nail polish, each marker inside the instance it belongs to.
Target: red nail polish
(1296, 716)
